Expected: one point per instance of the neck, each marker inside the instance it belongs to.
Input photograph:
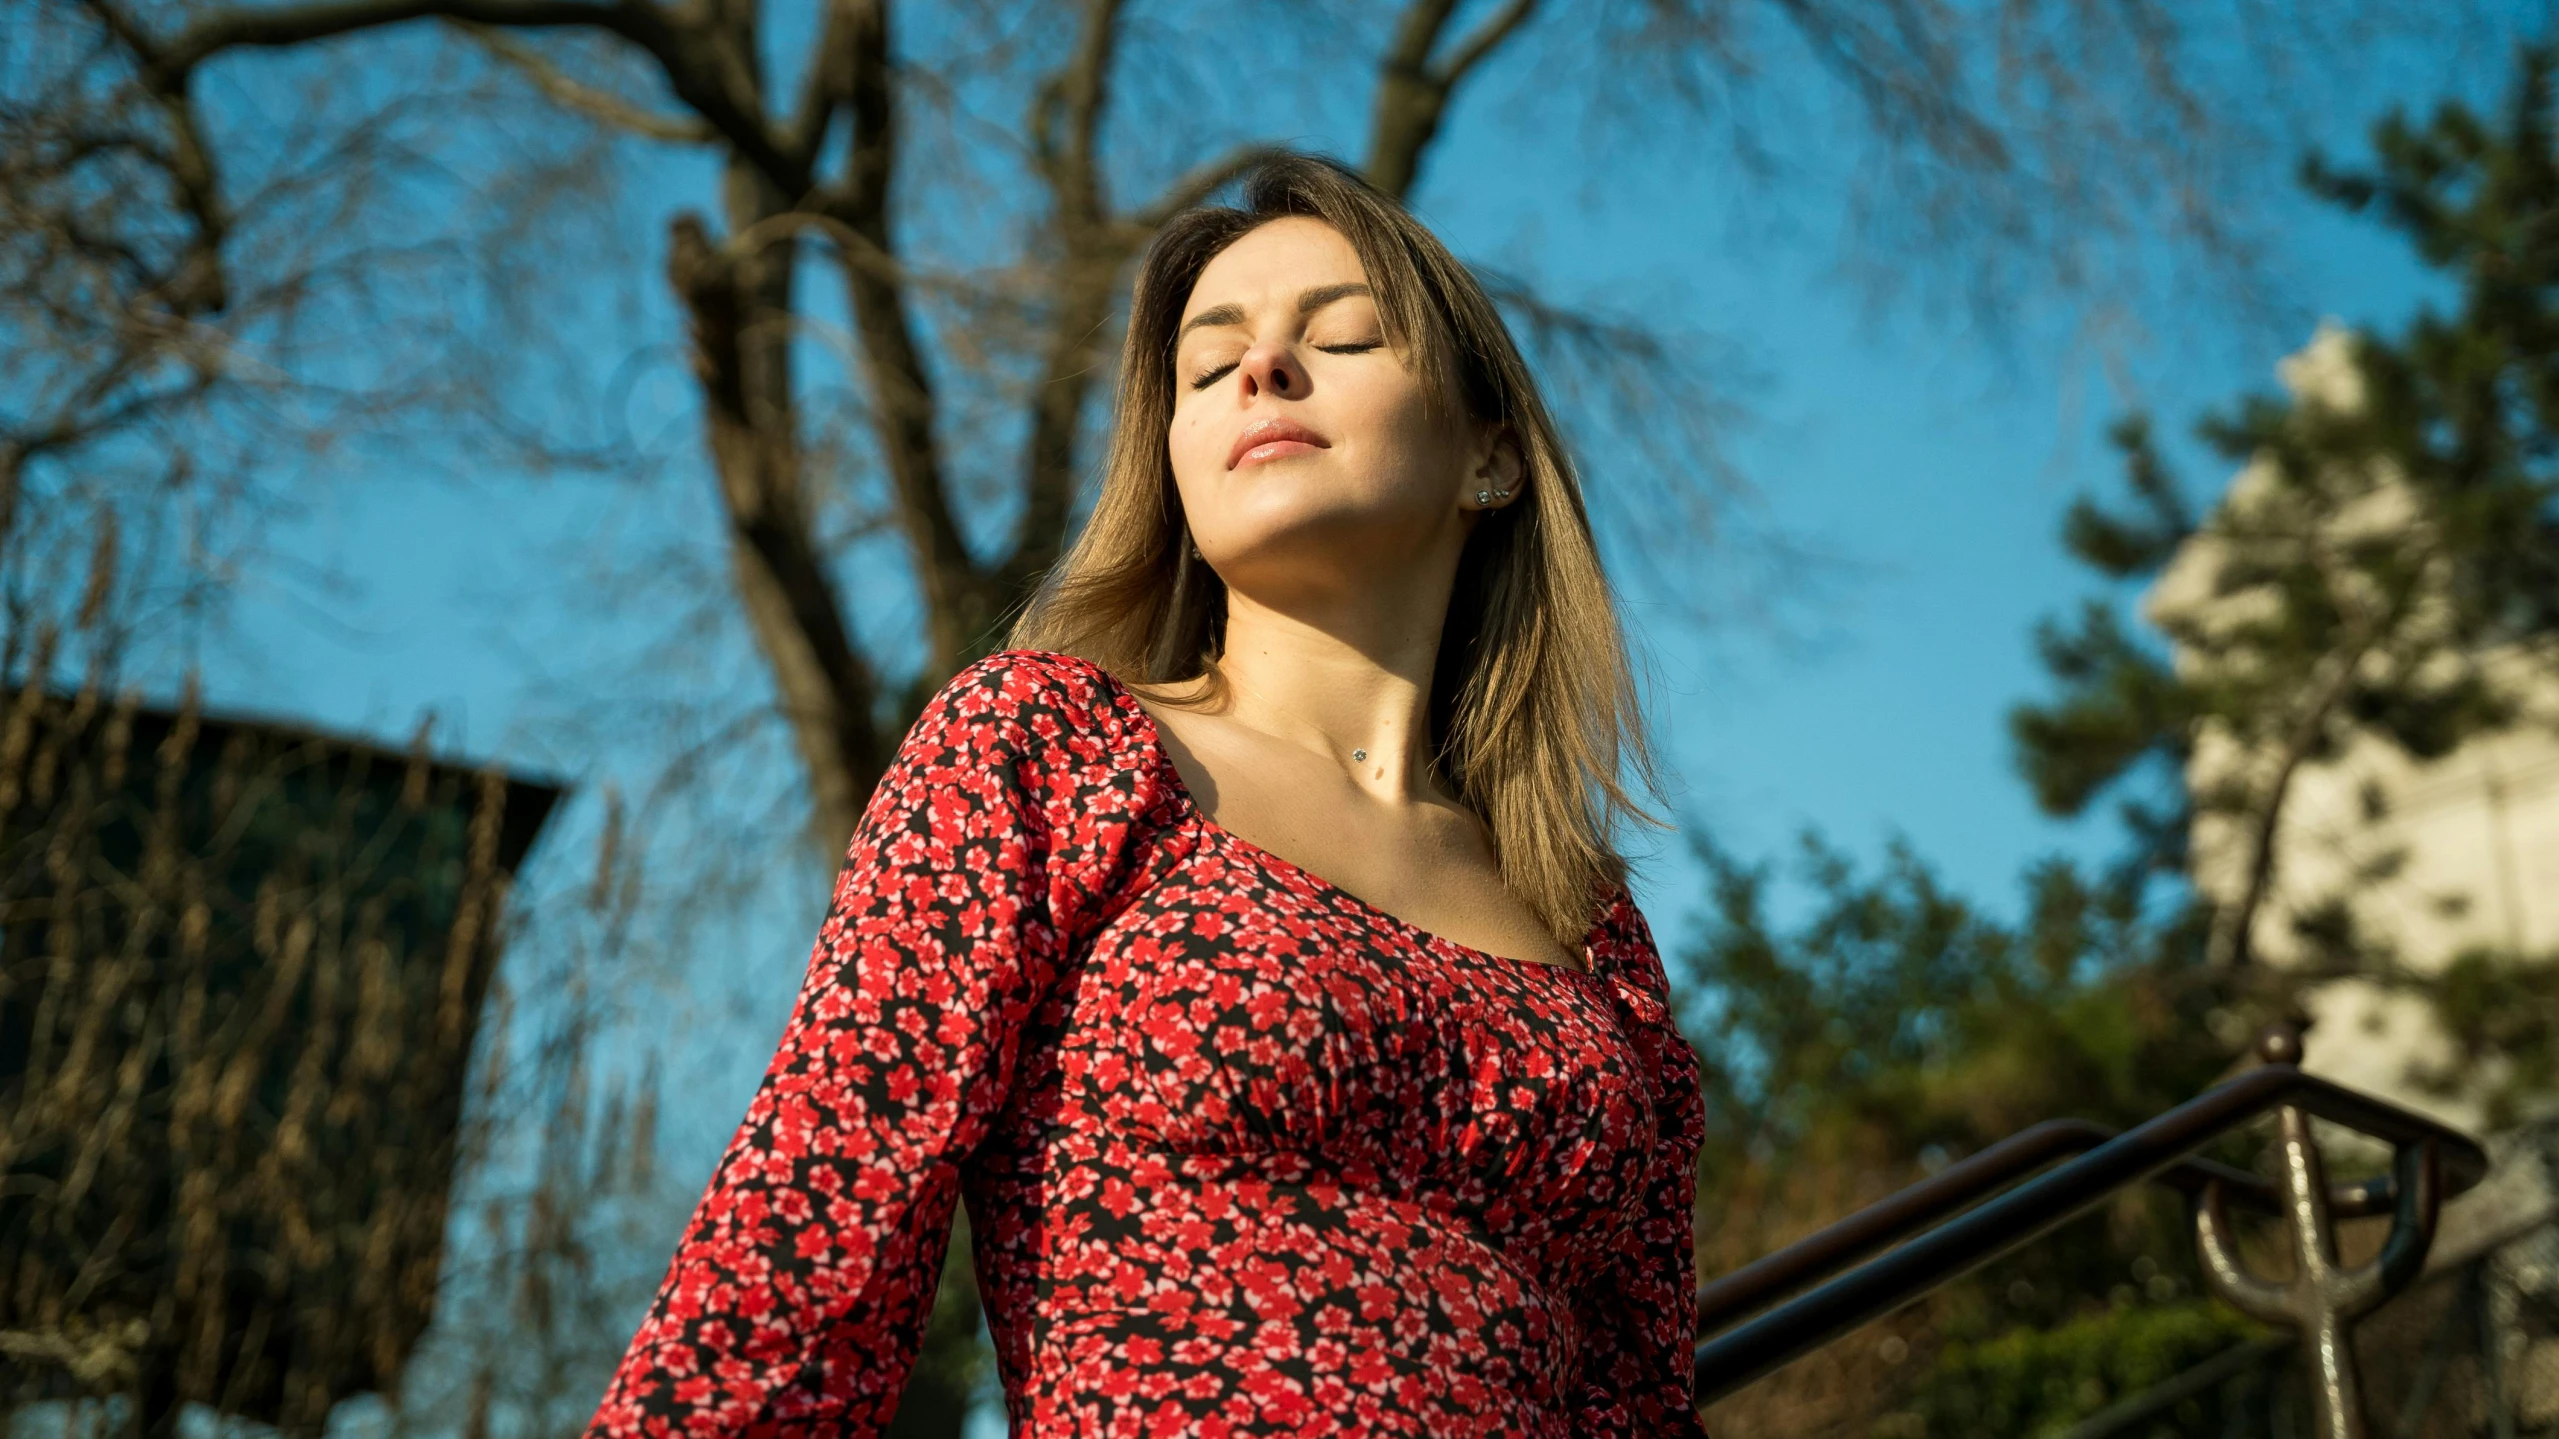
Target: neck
(1339, 684)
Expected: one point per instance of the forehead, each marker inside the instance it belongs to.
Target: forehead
(1273, 262)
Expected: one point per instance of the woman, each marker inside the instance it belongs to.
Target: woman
(1246, 942)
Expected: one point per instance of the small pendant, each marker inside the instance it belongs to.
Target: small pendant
(1359, 754)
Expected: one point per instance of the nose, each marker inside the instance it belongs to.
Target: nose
(1271, 368)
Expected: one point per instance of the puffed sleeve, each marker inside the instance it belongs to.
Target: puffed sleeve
(798, 1295)
(1639, 1316)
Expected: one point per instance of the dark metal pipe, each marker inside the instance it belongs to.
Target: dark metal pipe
(1958, 1186)
(1732, 1359)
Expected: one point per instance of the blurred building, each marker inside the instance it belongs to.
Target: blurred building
(242, 965)
(2426, 860)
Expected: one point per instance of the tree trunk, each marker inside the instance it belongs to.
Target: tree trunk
(739, 306)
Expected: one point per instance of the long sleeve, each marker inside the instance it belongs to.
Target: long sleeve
(798, 1295)
(1640, 1317)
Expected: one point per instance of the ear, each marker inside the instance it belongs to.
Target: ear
(1498, 469)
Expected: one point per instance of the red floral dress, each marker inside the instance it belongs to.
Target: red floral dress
(1243, 1154)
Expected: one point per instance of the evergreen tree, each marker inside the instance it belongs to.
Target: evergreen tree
(2385, 571)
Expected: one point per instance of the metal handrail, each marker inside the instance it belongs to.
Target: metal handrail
(1957, 1187)
(2158, 1148)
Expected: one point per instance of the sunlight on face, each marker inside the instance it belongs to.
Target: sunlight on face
(1302, 445)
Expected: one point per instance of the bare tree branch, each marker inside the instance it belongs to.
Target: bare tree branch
(1195, 186)
(701, 64)
(1073, 100)
(1090, 253)
(1412, 93)
(829, 82)
(1471, 51)
(1904, 70)
(576, 95)
(901, 387)
(215, 32)
(197, 285)
(826, 688)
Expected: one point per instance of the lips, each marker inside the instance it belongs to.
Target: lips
(1273, 439)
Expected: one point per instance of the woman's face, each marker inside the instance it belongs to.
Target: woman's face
(1302, 444)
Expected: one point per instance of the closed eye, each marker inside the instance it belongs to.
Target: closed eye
(1208, 377)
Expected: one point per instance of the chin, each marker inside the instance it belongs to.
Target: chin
(1309, 543)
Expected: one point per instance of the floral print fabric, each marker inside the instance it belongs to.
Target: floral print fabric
(1243, 1155)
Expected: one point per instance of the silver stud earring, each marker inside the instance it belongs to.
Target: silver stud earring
(1483, 497)
(1501, 494)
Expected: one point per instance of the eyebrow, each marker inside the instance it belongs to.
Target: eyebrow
(1308, 303)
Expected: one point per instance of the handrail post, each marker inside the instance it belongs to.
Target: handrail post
(2429, 1161)
(2323, 1299)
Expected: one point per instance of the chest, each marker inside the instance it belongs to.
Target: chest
(1429, 864)
(1235, 1008)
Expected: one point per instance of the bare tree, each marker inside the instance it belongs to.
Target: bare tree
(1977, 116)
(194, 320)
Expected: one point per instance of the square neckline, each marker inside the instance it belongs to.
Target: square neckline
(1428, 939)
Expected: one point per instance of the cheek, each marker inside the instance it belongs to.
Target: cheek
(1188, 440)
(1404, 445)
(1196, 454)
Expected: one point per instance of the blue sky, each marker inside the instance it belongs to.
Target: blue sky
(1931, 456)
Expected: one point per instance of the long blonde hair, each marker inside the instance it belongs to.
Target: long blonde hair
(1532, 700)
